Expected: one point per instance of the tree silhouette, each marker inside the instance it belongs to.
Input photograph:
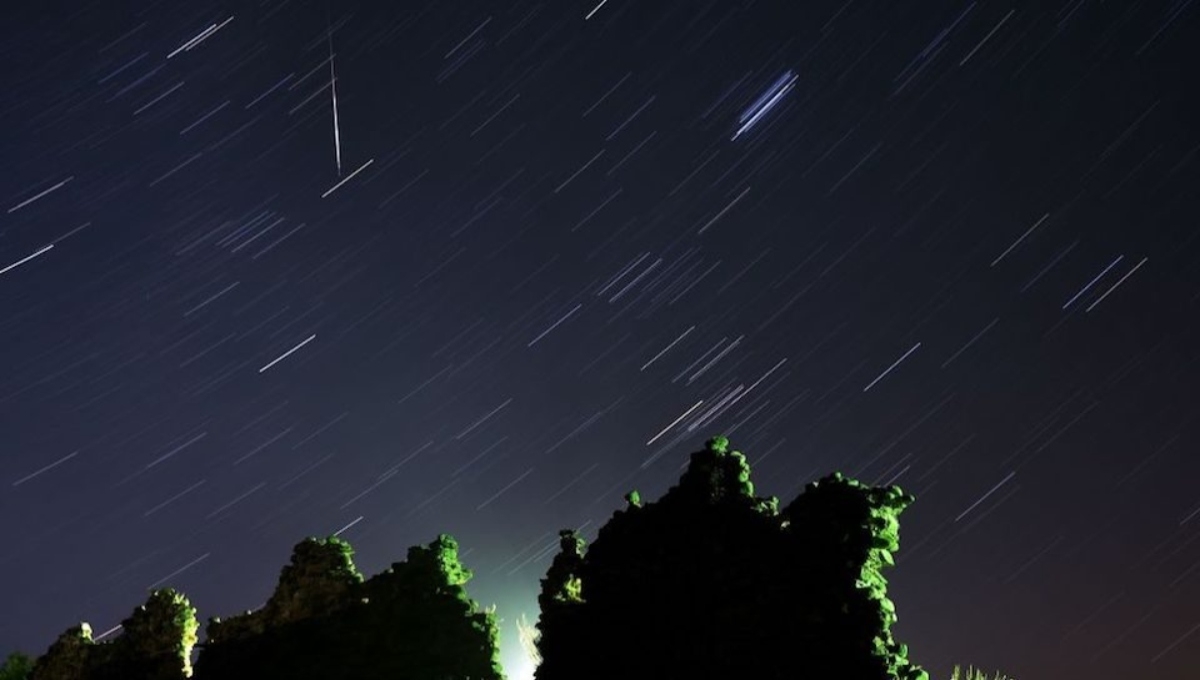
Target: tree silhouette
(412, 621)
(69, 658)
(155, 644)
(713, 581)
(318, 581)
(156, 640)
(709, 581)
(558, 600)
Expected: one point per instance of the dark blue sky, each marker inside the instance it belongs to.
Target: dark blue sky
(952, 246)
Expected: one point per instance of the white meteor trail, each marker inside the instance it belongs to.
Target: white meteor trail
(201, 37)
(27, 201)
(594, 10)
(766, 102)
(337, 135)
(288, 353)
(23, 260)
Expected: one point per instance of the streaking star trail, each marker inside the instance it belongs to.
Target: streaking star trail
(569, 242)
(765, 102)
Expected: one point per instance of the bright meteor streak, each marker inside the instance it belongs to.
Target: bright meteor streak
(337, 134)
(766, 102)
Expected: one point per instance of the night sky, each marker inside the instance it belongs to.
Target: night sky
(523, 257)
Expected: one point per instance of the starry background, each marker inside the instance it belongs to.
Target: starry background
(958, 252)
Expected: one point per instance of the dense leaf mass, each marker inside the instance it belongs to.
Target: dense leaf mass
(412, 621)
(155, 644)
(712, 581)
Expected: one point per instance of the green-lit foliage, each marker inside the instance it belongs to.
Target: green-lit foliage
(717, 475)
(634, 499)
(438, 563)
(847, 533)
(16, 667)
(562, 579)
(156, 640)
(318, 580)
(558, 600)
(712, 581)
(155, 644)
(414, 621)
(974, 674)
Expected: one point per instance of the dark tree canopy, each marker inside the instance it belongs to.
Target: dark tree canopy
(414, 621)
(712, 581)
(155, 644)
(709, 581)
(317, 581)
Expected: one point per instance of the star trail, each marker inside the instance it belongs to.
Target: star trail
(390, 269)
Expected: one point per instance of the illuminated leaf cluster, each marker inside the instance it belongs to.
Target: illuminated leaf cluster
(712, 581)
(155, 643)
(413, 620)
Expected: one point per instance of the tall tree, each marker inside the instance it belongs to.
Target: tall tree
(713, 581)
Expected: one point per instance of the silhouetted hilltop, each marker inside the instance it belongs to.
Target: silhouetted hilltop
(711, 581)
